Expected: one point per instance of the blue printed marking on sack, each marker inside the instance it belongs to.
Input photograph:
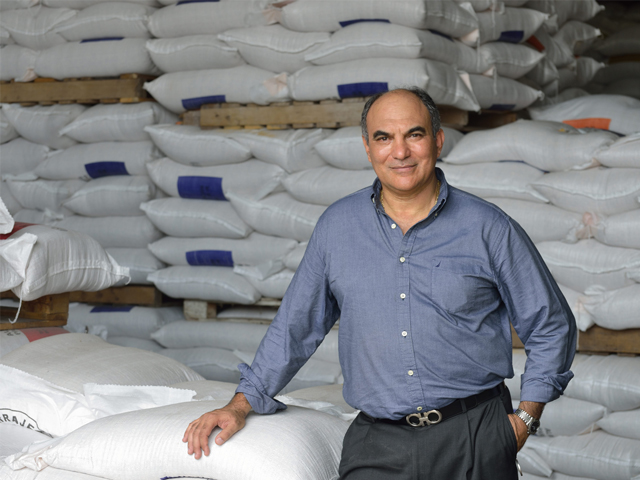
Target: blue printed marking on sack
(104, 39)
(184, 2)
(207, 188)
(502, 107)
(210, 258)
(196, 102)
(346, 23)
(435, 32)
(109, 308)
(363, 89)
(511, 36)
(105, 169)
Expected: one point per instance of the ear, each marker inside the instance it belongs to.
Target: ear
(439, 142)
(366, 148)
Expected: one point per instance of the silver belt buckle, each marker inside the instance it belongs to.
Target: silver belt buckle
(421, 419)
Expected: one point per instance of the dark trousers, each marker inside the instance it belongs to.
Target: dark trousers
(476, 445)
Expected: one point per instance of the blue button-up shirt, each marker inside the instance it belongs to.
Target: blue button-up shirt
(424, 316)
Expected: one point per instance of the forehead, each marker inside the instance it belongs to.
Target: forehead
(398, 108)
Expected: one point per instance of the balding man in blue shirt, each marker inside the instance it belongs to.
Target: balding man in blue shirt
(426, 280)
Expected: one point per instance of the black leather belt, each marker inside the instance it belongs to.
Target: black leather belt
(433, 417)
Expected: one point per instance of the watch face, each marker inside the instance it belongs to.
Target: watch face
(534, 426)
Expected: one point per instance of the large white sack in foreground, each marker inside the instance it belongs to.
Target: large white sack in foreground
(309, 440)
(188, 217)
(12, 339)
(18, 63)
(361, 78)
(325, 185)
(193, 52)
(606, 191)
(622, 153)
(217, 284)
(114, 231)
(96, 58)
(120, 122)
(279, 214)
(251, 179)
(610, 112)
(500, 93)
(513, 25)
(332, 15)
(20, 156)
(190, 145)
(616, 309)
(77, 358)
(42, 124)
(181, 91)
(13, 438)
(35, 27)
(597, 455)
(51, 260)
(550, 146)
(588, 262)
(48, 473)
(621, 230)
(132, 342)
(622, 424)
(139, 261)
(495, 179)
(543, 222)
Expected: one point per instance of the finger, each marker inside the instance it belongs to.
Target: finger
(185, 438)
(227, 433)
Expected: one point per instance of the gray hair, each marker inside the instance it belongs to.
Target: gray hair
(424, 97)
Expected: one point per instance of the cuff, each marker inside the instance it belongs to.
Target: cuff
(544, 390)
(256, 395)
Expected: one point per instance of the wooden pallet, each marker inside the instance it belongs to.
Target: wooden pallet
(139, 295)
(47, 311)
(49, 91)
(201, 310)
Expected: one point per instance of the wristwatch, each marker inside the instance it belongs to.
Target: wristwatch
(532, 423)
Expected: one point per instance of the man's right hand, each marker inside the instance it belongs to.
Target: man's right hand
(230, 418)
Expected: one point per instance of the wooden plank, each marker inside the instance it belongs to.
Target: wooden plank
(50, 310)
(141, 295)
(191, 117)
(453, 117)
(490, 119)
(598, 339)
(5, 324)
(199, 310)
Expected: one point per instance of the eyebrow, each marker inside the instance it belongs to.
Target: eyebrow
(380, 133)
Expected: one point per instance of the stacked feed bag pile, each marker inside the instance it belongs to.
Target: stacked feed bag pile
(214, 349)
(591, 431)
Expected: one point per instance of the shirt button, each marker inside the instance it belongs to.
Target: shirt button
(402, 295)
(419, 409)
(404, 334)
(402, 259)
(393, 225)
(410, 372)
(436, 215)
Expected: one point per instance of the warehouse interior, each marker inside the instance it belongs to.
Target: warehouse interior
(164, 164)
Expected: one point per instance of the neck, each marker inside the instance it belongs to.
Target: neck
(413, 204)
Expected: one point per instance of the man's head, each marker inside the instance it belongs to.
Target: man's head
(403, 140)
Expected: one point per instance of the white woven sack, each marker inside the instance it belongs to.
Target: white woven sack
(568, 416)
(596, 455)
(372, 75)
(621, 153)
(627, 87)
(133, 342)
(294, 257)
(123, 232)
(96, 160)
(10, 340)
(543, 222)
(193, 52)
(549, 146)
(76, 359)
(379, 40)
(543, 73)
(617, 71)
(495, 179)
(195, 218)
(139, 261)
(183, 91)
(623, 42)
(324, 393)
(82, 4)
(5, 36)
(568, 94)
(200, 148)
(49, 473)
(43, 194)
(252, 179)
(40, 217)
(621, 230)
(222, 391)
(332, 15)
(18, 63)
(279, 215)
(558, 53)
(578, 36)
(124, 320)
(205, 18)
(13, 438)
(112, 196)
(34, 28)
(59, 261)
(214, 364)
(217, 284)
(108, 19)
(622, 424)
(584, 320)
(612, 112)
(117, 123)
(42, 124)
(586, 69)
(344, 149)
(325, 185)
(583, 10)
(20, 156)
(274, 286)
(274, 47)
(311, 439)
(616, 309)
(511, 60)
(221, 252)
(532, 463)
(501, 93)
(7, 132)
(513, 25)
(519, 359)
(258, 313)
(606, 191)
(15, 4)
(12, 204)
(589, 262)
(469, 61)
(245, 336)
(101, 57)
(291, 150)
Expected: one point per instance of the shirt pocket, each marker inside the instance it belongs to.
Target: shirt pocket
(463, 288)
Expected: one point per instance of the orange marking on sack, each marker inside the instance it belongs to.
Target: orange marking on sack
(602, 123)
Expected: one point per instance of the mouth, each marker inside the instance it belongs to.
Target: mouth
(403, 168)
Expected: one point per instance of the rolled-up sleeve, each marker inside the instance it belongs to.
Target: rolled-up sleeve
(307, 313)
(539, 313)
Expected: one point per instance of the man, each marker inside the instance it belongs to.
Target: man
(425, 279)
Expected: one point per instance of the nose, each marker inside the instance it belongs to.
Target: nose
(401, 149)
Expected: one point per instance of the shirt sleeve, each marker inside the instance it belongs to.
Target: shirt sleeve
(307, 313)
(539, 313)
